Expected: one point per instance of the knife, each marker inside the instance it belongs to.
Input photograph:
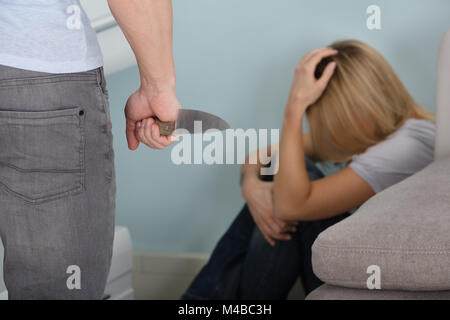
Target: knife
(186, 120)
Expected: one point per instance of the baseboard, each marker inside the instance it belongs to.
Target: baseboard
(164, 276)
(167, 275)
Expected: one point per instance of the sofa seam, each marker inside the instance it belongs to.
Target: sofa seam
(440, 251)
(357, 284)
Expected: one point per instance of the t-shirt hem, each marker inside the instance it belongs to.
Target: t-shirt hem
(51, 67)
(360, 172)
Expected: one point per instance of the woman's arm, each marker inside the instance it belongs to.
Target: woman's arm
(253, 171)
(258, 195)
(308, 147)
(295, 196)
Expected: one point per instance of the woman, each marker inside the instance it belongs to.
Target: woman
(359, 113)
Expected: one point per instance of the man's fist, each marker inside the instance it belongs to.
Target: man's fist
(139, 110)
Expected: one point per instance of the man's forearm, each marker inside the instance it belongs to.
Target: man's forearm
(147, 25)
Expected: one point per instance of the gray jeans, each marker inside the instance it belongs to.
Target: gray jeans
(57, 184)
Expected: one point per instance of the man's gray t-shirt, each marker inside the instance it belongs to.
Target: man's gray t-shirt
(403, 153)
(52, 36)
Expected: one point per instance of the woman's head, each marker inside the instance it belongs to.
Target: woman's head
(363, 103)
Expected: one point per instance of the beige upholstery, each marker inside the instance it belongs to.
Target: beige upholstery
(328, 292)
(443, 100)
(403, 230)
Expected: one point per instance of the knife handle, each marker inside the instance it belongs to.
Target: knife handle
(165, 128)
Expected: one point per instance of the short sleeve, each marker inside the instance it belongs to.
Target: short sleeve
(402, 154)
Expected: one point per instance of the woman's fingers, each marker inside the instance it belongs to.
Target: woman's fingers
(267, 230)
(287, 227)
(282, 227)
(270, 232)
(309, 55)
(278, 226)
(276, 231)
(326, 75)
(320, 54)
(267, 237)
(315, 52)
(269, 240)
(263, 228)
(292, 228)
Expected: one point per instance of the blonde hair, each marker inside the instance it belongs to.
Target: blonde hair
(363, 103)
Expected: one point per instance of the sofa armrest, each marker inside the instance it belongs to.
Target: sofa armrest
(403, 230)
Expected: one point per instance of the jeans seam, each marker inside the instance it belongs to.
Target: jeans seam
(45, 199)
(82, 152)
(30, 115)
(47, 80)
(108, 134)
(4, 164)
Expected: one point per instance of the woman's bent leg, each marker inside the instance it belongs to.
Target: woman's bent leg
(219, 278)
(270, 272)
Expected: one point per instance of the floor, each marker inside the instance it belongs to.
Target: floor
(166, 276)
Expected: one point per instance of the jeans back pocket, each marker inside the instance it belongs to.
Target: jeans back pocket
(42, 153)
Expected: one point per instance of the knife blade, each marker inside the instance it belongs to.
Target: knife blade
(186, 120)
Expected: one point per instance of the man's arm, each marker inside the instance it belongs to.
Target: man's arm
(147, 25)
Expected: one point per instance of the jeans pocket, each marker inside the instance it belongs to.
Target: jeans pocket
(42, 153)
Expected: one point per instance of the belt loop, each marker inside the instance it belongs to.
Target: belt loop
(101, 79)
(98, 76)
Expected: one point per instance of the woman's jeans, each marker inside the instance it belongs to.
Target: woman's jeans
(57, 184)
(244, 266)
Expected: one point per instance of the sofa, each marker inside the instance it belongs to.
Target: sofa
(397, 245)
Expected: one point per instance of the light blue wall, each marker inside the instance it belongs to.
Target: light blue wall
(235, 58)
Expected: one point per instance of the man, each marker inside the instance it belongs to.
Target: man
(57, 182)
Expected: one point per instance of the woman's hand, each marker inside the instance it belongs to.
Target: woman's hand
(258, 195)
(306, 89)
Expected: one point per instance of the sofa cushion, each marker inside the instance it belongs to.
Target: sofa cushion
(404, 230)
(443, 99)
(328, 292)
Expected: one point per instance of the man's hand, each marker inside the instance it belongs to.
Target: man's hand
(258, 195)
(147, 25)
(141, 107)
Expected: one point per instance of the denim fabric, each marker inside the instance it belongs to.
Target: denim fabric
(57, 183)
(244, 266)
